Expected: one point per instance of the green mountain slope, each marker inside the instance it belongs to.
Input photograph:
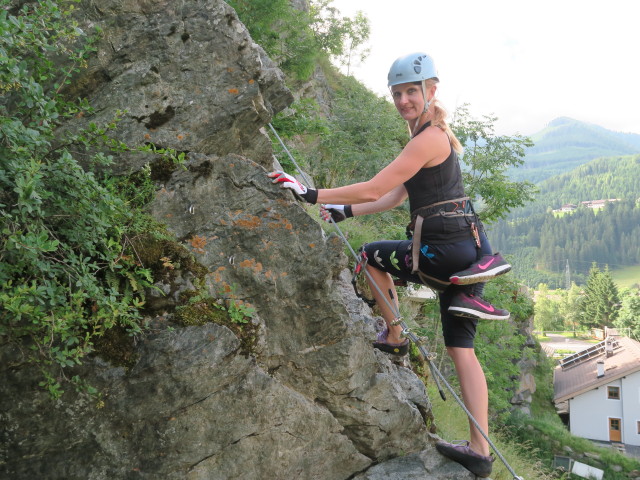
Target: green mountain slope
(566, 144)
(541, 242)
(610, 177)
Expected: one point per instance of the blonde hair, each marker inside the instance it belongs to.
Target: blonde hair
(439, 118)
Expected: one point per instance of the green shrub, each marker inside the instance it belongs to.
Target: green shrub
(282, 31)
(68, 272)
(297, 39)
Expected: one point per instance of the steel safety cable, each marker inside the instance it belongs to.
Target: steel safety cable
(428, 357)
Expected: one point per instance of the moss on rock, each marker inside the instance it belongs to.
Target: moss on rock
(199, 311)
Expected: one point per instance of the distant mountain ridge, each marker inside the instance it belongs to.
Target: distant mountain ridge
(565, 144)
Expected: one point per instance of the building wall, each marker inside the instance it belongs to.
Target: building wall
(631, 409)
(589, 413)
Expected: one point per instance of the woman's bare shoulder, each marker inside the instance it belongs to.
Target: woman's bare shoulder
(434, 142)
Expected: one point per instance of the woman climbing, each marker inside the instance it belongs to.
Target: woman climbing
(449, 250)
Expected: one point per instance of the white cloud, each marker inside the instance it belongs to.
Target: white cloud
(525, 62)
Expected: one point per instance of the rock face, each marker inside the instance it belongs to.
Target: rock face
(526, 384)
(187, 74)
(311, 399)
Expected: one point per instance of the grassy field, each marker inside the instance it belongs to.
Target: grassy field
(626, 277)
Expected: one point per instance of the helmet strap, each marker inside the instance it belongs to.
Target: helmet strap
(424, 110)
(424, 96)
(416, 125)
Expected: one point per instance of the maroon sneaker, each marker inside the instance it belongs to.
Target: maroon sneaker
(460, 452)
(488, 267)
(465, 305)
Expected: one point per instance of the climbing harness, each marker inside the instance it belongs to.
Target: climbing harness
(357, 270)
(361, 261)
(360, 264)
(476, 235)
(458, 207)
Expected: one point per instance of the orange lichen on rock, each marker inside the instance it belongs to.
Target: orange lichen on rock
(280, 222)
(252, 264)
(248, 221)
(198, 243)
(217, 277)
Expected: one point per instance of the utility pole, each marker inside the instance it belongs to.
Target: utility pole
(567, 276)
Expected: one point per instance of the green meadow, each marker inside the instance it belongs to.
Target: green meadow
(627, 276)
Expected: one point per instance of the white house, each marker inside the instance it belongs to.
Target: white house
(568, 207)
(598, 203)
(599, 388)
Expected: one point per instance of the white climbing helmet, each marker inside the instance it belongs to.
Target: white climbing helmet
(414, 67)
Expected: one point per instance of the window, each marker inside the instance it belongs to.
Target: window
(613, 393)
(638, 426)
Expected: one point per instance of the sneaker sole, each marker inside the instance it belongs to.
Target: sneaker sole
(471, 313)
(480, 277)
(392, 349)
(480, 468)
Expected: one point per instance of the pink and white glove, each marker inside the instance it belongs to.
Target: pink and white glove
(337, 213)
(287, 181)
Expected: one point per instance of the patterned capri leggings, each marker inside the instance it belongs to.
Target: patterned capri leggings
(439, 261)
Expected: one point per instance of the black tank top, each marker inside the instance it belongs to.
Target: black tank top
(438, 184)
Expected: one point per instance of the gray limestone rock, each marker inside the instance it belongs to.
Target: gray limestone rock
(263, 245)
(312, 400)
(187, 76)
(426, 464)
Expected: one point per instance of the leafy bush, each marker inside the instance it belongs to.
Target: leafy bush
(282, 31)
(296, 39)
(486, 160)
(345, 146)
(365, 134)
(68, 272)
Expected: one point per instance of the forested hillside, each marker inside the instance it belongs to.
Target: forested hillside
(542, 242)
(566, 144)
(611, 177)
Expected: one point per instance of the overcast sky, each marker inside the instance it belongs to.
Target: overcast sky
(526, 62)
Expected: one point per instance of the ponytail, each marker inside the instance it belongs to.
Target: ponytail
(439, 119)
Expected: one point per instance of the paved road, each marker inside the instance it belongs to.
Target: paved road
(558, 342)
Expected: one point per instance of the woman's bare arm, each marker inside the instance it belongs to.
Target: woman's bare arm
(388, 201)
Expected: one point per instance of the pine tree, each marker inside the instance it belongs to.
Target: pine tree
(610, 297)
(601, 300)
